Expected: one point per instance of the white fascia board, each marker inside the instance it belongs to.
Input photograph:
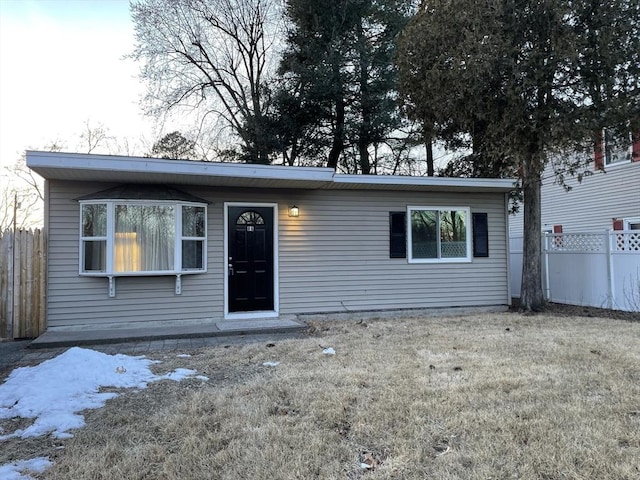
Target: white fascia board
(396, 180)
(67, 162)
(78, 161)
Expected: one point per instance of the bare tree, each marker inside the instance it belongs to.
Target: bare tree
(212, 54)
(21, 189)
(94, 137)
(22, 197)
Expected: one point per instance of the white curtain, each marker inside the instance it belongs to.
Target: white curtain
(145, 238)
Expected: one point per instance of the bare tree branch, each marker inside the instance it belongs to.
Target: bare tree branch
(213, 53)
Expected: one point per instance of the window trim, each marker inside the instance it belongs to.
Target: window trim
(468, 232)
(627, 222)
(110, 239)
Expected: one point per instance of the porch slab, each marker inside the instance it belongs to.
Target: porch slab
(69, 338)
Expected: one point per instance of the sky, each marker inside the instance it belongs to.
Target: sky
(54, 393)
(61, 66)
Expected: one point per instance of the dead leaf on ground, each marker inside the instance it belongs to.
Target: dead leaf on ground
(368, 462)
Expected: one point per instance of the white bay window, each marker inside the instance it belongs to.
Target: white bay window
(142, 237)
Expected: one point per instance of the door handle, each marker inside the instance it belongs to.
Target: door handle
(231, 271)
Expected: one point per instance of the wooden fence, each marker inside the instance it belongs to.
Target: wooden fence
(22, 283)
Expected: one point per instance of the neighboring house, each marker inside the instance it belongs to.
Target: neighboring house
(609, 199)
(134, 240)
(591, 250)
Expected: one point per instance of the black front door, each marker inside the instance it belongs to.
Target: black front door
(250, 265)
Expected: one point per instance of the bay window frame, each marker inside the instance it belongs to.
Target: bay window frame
(110, 238)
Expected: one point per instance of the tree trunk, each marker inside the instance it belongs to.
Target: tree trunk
(338, 136)
(365, 120)
(262, 155)
(531, 295)
(428, 143)
(365, 164)
(427, 136)
(291, 160)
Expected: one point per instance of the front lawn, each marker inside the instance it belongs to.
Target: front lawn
(475, 397)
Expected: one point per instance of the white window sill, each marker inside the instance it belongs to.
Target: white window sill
(439, 260)
(618, 165)
(140, 274)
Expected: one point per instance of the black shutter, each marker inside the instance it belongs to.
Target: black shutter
(397, 235)
(480, 235)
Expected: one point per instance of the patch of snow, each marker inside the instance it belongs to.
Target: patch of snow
(202, 377)
(17, 470)
(183, 355)
(56, 390)
(270, 364)
(178, 374)
(329, 351)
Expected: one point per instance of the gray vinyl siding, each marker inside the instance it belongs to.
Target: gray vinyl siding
(74, 300)
(333, 258)
(590, 205)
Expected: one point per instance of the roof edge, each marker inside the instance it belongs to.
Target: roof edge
(85, 161)
(52, 163)
(397, 180)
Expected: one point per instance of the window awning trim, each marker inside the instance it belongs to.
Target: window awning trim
(161, 193)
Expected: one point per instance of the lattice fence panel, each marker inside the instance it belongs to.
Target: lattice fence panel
(627, 242)
(576, 242)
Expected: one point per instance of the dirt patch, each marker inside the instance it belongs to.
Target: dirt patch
(564, 310)
(11, 353)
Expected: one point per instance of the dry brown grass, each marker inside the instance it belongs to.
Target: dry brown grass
(488, 396)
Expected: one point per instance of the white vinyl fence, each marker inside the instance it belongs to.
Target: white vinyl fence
(590, 269)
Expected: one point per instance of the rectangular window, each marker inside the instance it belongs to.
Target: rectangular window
(144, 238)
(439, 234)
(94, 238)
(193, 237)
(616, 149)
(632, 223)
(138, 238)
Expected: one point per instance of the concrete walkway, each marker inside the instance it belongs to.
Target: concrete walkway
(65, 338)
(142, 341)
(15, 354)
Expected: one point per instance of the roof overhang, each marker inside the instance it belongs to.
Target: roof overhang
(143, 170)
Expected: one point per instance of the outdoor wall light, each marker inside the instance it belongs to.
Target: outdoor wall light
(293, 211)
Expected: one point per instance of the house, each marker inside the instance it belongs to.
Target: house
(608, 199)
(591, 250)
(137, 240)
